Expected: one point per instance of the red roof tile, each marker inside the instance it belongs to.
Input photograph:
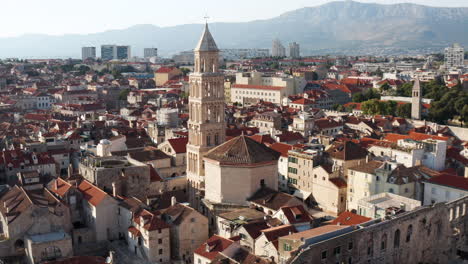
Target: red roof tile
(458, 182)
(348, 218)
(92, 193)
(213, 246)
(179, 144)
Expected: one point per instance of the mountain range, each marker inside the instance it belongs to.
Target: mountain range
(335, 27)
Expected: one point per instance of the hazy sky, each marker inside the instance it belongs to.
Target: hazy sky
(57, 17)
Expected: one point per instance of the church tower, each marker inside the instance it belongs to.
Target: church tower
(416, 98)
(206, 123)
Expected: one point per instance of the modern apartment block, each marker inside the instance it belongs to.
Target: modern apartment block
(88, 53)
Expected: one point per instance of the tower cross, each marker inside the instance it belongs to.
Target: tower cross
(206, 17)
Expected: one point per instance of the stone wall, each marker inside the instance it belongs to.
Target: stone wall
(433, 234)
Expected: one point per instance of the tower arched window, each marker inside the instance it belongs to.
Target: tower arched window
(216, 139)
(208, 140)
(396, 239)
(383, 242)
(409, 232)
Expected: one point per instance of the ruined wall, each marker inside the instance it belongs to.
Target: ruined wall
(426, 235)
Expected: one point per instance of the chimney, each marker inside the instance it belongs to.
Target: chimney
(173, 201)
(466, 172)
(56, 184)
(367, 159)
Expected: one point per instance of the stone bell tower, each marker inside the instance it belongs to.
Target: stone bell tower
(416, 98)
(206, 124)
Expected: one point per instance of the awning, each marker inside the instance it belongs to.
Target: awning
(303, 195)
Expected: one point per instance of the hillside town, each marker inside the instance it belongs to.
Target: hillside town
(234, 156)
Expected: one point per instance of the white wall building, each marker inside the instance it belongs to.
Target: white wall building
(454, 56)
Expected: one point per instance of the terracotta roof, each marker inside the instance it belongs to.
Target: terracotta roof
(338, 182)
(303, 101)
(213, 246)
(368, 167)
(273, 233)
(154, 175)
(263, 139)
(271, 199)
(348, 218)
(63, 187)
(242, 150)
(325, 123)
(179, 144)
(282, 148)
(134, 231)
(258, 87)
(165, 70)
(347, 151)
(458, 182)
(152, 221)
(255, 228)
(412, 135)
(92, 193)
(296, 214)
(149, 155)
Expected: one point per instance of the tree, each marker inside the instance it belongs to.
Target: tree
(124, 94)
(404, 89)
(385, 87)
(403, 110)
(358, 97)
(185, 71)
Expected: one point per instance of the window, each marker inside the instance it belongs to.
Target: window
(292, 170)
(390, 190)
(409, 232)
(337, 251)
(383, 243)
(208, 140)
(160, 251)
(287, 247)
(396, 239)
(160, 241)
(350, 245)
(324, 254)
(433, 190)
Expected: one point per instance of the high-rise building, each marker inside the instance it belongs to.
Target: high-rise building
(108, 52)
(114, 52)
(277, 49)
(294, 50)
(124, 52)
(150, 52)
(206, 123)
(88, 53)
(416, 98)
(454, 56)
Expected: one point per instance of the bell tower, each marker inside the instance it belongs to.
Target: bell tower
(206, 123)
(416, 98)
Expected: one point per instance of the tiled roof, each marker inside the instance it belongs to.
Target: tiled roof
(92, 193)
(282, 148)
(271, 199)
(263, 139)
(296, 214)
(151, 221)
(338, 182)
(179, 144)
(368, 167)
(242, 150)
(347, 151)
(458, 182)
(273, 233)
(213, 246)
(348, 218)
(63, 187)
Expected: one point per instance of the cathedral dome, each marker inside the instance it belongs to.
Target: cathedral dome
(242, 150)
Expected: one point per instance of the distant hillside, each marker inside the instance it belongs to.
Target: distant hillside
(337, 26)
